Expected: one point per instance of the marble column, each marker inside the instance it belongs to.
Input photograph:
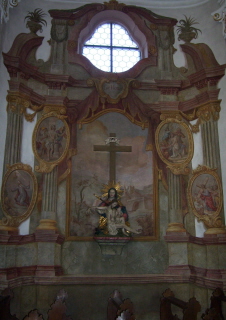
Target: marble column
(174, 203)
(49, 201)
(12, 145)
(211, 158)
(13, 136)
(210, 142)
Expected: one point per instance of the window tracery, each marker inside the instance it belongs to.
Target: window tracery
(111, 48)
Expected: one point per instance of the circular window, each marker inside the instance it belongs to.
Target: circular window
(111, 48)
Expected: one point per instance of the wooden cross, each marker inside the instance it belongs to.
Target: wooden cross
(112, 148)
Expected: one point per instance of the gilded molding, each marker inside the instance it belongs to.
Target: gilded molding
(162, 178)
(152, 50)
(71, 153)
(171, 114)
(205, 113)
(208, 112)
(114, 5)
(64, 175)
(55, 109)
(16, 207)
(178, 115)
(149, 147)
(19, 103)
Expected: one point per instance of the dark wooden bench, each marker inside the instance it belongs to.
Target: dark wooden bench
(190, 308)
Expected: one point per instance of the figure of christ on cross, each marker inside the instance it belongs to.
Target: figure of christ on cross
(112, 148)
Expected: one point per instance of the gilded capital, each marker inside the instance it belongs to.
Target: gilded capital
(207, 112)
(19, 103)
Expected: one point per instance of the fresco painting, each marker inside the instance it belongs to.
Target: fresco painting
(134, 175)
(173, 142)
(206, 194)
(51, 139)
(17, 193)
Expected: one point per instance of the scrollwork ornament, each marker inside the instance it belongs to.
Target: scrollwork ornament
(114, 5)
(112, 89)
(179, 170)
(45, 167)
(18, 195)
(71, 153)
(174, 144)
(172, 115)
(50, 141)
(53, 109)
(205, 196)
(4, 8)
(14, 3)
(217, 17)
(18, 103)
(204, 113)
(208, 112)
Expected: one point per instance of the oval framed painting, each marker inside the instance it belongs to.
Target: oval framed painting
(19, 192)
(205, 193)
(174, 142)
(51, 139)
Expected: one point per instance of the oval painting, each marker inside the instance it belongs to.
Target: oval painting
(205, 194)
(174, 142)
(19, 191)
(51, 139)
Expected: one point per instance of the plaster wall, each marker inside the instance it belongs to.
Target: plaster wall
(137, 257)
(211, 35)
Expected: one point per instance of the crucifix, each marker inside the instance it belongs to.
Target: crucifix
(112, 148)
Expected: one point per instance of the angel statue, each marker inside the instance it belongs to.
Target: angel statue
(113, 215)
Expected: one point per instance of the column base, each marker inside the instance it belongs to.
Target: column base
(8, 230)
(215, 231)
(175, 227)
(47, 224)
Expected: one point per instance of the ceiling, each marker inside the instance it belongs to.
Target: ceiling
(166, 4)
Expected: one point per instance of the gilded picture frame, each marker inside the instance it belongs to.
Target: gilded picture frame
(205, 196)
(174, 144)
(50, 141)
(18, 194)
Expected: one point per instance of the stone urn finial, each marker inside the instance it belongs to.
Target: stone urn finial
(186, 31)
(35, 20)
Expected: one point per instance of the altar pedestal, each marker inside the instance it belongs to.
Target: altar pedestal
(112, 245)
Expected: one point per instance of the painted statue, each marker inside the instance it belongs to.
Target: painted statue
(113, 216)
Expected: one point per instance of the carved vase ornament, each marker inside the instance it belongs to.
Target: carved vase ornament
(18, 195)
(205, 198)
(174, 143)
(50, 141)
